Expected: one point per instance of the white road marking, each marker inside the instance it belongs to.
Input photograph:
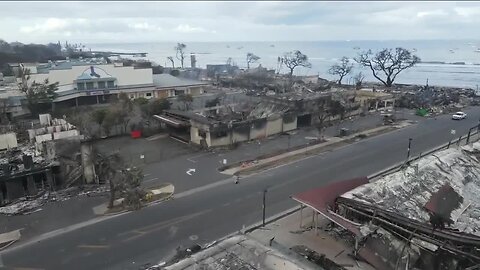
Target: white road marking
(61, 231)
(203, 188)
(190, 171)
(192, 159)
(150, 180)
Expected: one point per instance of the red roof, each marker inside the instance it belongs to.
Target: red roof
(323, 198)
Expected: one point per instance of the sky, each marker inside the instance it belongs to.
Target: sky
(118, 22)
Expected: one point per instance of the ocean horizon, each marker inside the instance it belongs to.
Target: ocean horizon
(454, 63)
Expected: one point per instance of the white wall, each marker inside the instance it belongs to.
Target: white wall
(8, 140)
(274, 125)
(65, 134)
(43, 138)
(124, 75)
(290, 126)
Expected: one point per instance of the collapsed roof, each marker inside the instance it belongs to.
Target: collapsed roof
(442, 187)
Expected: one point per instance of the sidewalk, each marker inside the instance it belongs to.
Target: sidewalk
(307, 150)
(206, 163)
(287, 232)
(172, 170)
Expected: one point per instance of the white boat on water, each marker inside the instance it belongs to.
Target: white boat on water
(477, 50)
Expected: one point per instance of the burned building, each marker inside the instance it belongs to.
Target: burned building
(213, 129)
(424, 216)
(24, 173)
(37, 162)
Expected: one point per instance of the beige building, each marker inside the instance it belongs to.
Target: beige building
(101, 83)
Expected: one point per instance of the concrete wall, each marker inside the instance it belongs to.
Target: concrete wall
(65, 134)
(194, 137)
(289, 122)
(258, 130)
(212, 140)
(8, 140)
(43, 138)
(241, 132)
(274, 125)
(45, 119)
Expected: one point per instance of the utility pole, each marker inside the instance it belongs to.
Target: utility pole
(409, 146)
(263, 207)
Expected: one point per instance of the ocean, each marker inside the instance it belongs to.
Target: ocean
(453, 63)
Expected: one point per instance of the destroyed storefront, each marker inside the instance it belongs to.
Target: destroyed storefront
(424, 216)
(24, 174)
(229, 125)
(36, 162)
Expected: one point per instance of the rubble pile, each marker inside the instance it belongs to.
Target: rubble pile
(28, 205)
(408, 191)
(318, 259)
(437, 100)
(14, 158)
(25, 206)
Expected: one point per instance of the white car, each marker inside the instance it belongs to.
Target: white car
(459, 116)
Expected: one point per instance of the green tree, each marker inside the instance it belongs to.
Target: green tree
(157, 106)
(336, 108)
(387, 63)
(36, 94)
(157, 70)
(124, 182)
(187, 100)
(140, 101)
(175, 72)
(98, 116)
(109, 121)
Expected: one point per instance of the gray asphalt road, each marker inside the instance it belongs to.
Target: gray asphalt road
(151, 234)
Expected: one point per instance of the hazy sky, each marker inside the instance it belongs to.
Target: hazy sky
(236, 21)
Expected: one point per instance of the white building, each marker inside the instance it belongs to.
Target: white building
(94, 84)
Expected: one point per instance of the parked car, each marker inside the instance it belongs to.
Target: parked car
(459, 116)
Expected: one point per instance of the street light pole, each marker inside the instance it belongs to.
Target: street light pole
(409, 146)
(263, 207)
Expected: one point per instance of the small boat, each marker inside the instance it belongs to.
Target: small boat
(356, 48)
(414, 50)
(477, 50)
(451, 51)
(241, 47)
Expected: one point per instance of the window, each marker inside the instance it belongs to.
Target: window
(89, 85)
(80, 86)
(132, 96)
(148, 94)
(179, 92)
(101, 85)
(111, 84)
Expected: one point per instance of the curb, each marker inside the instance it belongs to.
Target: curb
(308, 148)
(170, 196)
